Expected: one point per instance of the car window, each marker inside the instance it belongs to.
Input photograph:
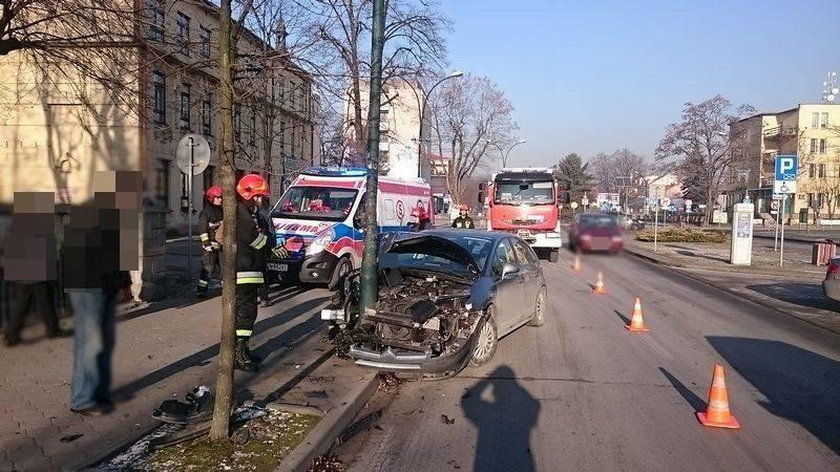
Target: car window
(504, 255)
(524, 253)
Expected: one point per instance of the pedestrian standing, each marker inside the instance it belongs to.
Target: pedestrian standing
(463, 221)
(209, 221)
(251, 242)
(31, 264)
(96, 260)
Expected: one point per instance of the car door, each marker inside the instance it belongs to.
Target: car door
(531, 275)
(509, 297)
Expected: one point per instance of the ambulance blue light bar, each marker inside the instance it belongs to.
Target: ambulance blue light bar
(337, 171)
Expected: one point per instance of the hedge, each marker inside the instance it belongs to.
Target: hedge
(677, 235)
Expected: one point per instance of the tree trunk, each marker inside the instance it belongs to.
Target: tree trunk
(220, 427)
(710, 208)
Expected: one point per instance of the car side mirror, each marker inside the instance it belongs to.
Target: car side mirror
(509, 270)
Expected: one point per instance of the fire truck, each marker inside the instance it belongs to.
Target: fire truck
(524, 201)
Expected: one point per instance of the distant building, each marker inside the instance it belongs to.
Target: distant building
(811, 131)
(402, 103)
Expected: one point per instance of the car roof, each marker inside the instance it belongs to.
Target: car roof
(476, 233)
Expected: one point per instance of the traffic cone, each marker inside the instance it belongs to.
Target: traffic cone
(599, 285)
(637, 323)
(717, 414)
(576, 266)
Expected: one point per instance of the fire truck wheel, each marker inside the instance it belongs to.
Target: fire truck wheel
(554, 256)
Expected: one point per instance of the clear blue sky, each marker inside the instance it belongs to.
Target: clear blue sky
(597, 75)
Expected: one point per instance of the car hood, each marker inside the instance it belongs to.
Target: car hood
(430, 245)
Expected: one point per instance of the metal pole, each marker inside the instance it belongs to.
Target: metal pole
(189, 210)
(782, 244)
(776, 236)
(655, 227)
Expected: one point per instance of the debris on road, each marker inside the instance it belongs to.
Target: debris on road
(327, 463)
(447, 420)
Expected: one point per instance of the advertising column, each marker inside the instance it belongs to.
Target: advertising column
(742, 234)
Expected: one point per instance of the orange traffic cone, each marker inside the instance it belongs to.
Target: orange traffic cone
(637, 323)
(599, 285)
(576, 266)
(717, 414)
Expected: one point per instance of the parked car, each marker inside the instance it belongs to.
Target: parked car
(445, 298)
(596, 232)
(831, 284)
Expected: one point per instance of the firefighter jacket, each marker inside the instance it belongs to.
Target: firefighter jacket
(251, 240)
(463, 222)
(208, 222)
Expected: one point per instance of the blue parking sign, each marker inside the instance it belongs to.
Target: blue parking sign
(787, 167)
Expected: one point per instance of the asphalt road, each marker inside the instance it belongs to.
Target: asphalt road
(582, 393)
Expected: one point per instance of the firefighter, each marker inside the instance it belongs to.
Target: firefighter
(208, 221)
(463, 221)
(252, 241)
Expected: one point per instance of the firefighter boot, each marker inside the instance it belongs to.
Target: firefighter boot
(241, 359)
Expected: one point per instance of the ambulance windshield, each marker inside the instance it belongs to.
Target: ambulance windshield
(315, 203)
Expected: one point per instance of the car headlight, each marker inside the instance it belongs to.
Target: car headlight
(320, 243)
(585, 236)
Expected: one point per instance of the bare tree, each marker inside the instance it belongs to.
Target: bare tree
(609, 170)
(470, 112)
(699, 147)
(333, 39)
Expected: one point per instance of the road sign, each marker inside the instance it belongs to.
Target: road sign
(784, 187)
(584, 201)
(574, 205)
(774, 205)
(666, 202)
(400, 209)
(200, 153)
(787, 168)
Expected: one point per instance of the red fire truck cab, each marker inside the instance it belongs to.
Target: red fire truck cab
(524, 201)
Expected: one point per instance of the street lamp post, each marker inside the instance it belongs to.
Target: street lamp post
(505, 154)
(453, 75)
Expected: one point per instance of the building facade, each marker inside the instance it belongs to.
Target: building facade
(811, 131)
(59, 130)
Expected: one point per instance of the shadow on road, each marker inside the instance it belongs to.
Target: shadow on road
(696, 402)
(625, 319)
(702, 256)
(809, 295)
(504, 414)
(799, 385)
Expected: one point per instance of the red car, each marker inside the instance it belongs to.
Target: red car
(596, 232)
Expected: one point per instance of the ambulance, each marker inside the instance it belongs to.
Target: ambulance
(319, 220)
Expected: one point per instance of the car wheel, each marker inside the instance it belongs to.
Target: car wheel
(343, 268)
(540, 307)
(487, 342)
(554, 256)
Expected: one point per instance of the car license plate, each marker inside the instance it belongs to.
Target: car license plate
(277, 267)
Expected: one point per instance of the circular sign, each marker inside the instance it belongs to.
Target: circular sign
(400, 209)
(666, 201)
(574, 205)
(774, 205)
(200, 155)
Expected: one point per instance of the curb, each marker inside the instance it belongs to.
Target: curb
(322, 437)
(723, 288)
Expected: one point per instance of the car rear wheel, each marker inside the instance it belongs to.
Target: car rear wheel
(488, 341)
(540, 308)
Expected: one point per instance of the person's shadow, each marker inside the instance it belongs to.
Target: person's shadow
(504, 416)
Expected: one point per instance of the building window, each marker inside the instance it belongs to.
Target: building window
(156, 20)
(162, 183)
(204, 44)
(183, 22)
(813, 145)
(207, 116)
(281, 90)
(294, 141)
(207, 176)
(282, 137)
(292, 95)
(159, 105)
(822, 146)
(237, 122)
(252, 131)
(815, 120)
(821, 171)
(824, 120)
(185, 107)
(812, 170)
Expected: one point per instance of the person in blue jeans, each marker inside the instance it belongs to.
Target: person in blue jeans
(96, 280)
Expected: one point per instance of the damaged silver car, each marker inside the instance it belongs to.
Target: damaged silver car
(445, 298)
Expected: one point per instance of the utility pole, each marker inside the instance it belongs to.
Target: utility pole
(369, 270)
(220, 427)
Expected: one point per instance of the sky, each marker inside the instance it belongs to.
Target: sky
(598, 75)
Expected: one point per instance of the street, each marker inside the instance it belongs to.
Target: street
(583, 393)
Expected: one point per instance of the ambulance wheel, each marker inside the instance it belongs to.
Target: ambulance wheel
(343, 268)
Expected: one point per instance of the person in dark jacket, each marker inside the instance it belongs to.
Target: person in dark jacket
(208, 222)
(463, 221)
(252, 241)
(96, 261)
(31, 264)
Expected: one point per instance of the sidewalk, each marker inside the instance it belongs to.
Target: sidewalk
(162, 350)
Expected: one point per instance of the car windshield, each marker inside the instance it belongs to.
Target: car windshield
(525, 192)
(598, 221)
(315, 203)
(477, 247)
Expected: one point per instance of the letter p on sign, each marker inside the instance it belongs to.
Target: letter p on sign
(786, 167)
